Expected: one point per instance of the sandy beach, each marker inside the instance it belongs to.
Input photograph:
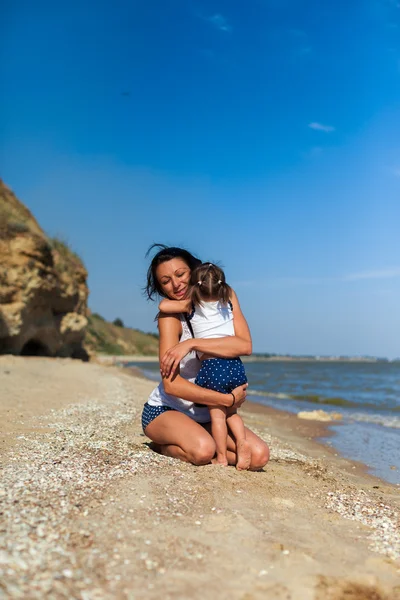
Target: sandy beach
(88, 511)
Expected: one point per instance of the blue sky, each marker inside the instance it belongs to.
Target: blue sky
(263, 135)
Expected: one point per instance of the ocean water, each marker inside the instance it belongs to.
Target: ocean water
(367, 394)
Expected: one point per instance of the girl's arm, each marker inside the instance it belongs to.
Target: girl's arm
(226, 347)
(172, 307)
(174, 384)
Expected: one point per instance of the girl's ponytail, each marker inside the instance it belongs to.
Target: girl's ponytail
(208, 283)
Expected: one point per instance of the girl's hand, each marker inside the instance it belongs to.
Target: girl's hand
(169, 363)
(240, 394)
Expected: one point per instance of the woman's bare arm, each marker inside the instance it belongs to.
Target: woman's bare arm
(227, 347)
(173, 307)
(174, 384)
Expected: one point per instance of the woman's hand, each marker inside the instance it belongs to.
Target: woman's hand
(169, 363)
(240, 394)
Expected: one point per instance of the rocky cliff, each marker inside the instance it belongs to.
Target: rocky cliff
(43, 290)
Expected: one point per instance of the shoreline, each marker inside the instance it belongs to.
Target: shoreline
(310, 435)
(313, 436)
(90, 511)
(319, 431)
(112, 358)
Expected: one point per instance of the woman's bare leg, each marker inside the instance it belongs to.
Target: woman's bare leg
(243, 449)
(178, 436)
(219, 431)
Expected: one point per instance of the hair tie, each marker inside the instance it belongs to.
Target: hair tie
(219, 281)
(199, 282)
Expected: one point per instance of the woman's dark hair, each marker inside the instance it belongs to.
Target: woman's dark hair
(208, 283)
(164, 254)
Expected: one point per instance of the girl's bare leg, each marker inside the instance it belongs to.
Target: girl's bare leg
(219, 432)
(243, 449)
(178, 436)
(259, 449)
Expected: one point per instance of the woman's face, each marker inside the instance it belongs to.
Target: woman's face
(174, 276)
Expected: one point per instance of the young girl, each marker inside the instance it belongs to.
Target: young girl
(209, 313)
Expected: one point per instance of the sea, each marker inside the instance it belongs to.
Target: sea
(367, 394)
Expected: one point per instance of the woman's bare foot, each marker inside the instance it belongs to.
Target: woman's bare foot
(155, 447)
(243, 451)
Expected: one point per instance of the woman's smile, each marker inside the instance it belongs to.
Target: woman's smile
(174, 276)
(181, 293)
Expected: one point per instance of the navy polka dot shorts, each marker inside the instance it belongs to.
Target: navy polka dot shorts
(221, 374)
(151, 412)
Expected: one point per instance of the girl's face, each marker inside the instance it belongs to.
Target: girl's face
(174, 276)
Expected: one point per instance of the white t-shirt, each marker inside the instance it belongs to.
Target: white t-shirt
(212, 320)
(189, 367)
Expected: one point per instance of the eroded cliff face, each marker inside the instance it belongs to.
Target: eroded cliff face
(43, 289)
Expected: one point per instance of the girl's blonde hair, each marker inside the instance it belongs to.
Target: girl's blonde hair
(208, 283)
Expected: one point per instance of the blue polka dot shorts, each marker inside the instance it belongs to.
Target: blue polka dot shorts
(221, 374)
(151, 412)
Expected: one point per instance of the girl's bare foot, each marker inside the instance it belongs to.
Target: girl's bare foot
(220, 461)
(243, 451)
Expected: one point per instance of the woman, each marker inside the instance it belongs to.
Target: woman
(176, 417)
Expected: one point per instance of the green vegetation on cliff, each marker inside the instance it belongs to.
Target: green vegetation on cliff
(43, 289)
(103, 337)
(66, 260)
(43, 295)
(17, 220)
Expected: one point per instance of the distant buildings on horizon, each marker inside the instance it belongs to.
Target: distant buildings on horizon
(317, 357)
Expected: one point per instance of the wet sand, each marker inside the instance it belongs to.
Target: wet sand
(90, 512)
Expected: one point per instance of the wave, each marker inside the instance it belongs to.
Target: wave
(329, 401)
(384, 420)
(375, 418)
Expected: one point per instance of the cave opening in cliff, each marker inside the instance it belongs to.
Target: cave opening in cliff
(35, 348)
